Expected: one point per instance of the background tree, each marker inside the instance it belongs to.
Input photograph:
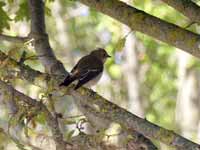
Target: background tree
(146, 76)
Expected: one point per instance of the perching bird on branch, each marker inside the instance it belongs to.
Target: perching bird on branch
(88, 70)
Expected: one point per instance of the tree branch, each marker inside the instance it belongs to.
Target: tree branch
(186, 7)
(27, 73)
(87, 142)
(102, 108)
(14, 39)
(52, 122)
(38, 78)
(111, 112)
(145, 23)
(43, 48)
(41, 41)
(104, 111)
(97, 105)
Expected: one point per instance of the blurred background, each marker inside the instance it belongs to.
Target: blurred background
(149, 78)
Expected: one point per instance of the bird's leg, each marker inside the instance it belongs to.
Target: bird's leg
(92, 93)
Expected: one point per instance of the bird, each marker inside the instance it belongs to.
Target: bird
(88, 69)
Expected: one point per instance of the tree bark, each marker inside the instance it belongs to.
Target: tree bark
(101, 109)
(140, 21)
(15, 39)
(47, 58)
(41, 41)
(94, 105)
(187, 8)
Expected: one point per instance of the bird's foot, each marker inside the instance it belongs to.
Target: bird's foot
(92, 93)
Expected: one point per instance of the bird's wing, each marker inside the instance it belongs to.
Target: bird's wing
(86, 64)
(81, 63)
(88, 75)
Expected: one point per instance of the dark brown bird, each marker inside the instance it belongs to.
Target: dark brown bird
(88, 70)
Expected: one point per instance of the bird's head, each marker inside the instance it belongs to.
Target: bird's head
(101, 54)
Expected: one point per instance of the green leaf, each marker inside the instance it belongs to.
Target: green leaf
(115, 71)
(69, 134)
(18, 144)
(10, 1)
(120, 44)
(49, 1)
(23, 12)
(47, 11)
(4, 21)
(41, 118)
(69, 122)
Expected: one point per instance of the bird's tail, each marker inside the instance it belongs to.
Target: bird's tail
(68, 80)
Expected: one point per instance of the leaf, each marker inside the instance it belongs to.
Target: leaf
(10, 1)
(49, 1)
(41, 118)
(47, 11)
(4, 21)
(23, 12)
(69, 122)
(23, 57)
(115, 71)
(15, 52)
(16, 119)
(120, 44)
(18, 144)
(69, 134)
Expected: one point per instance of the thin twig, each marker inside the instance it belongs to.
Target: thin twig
(14, 39)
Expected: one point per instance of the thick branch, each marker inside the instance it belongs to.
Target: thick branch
(186, 7)
(41, 43)
(106, 110)
(25, 72)
(43, 48)
(33, 77)
(14, 39)
(87, 142)
(102, 122)
(38, 78)
(52, 122)
(145, 23)
(76, 142)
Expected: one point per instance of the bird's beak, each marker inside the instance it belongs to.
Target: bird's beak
(108, 56)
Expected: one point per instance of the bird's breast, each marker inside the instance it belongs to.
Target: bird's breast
(93, 81)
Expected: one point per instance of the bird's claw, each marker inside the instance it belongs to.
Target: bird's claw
(92, 93)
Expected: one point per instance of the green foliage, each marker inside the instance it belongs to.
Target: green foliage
(120, 44)
(69, 134)
(159, 87)
(114, 71)
(10, 1)
(161, 10)
(49, 0)
(41, 118)
(4, 21)
(47, 11)
(23, 12)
